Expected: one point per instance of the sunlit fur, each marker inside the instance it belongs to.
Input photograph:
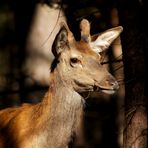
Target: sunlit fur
(50, 123)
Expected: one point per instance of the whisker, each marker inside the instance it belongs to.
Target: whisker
(122, 82)
(130, 80)
(118, 68)
(116, 44)
(114, 60)
(109, 62)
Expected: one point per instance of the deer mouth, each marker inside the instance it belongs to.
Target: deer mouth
(105, 90)
(108, 91)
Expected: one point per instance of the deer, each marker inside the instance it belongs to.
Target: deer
(76, 68)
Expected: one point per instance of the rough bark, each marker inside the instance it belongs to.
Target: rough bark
(134, 57)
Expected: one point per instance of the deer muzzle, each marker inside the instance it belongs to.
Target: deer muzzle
(108, 86)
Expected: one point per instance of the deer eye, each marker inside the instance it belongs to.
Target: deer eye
(74, 60)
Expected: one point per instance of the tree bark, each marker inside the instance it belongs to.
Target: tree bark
(134, 43)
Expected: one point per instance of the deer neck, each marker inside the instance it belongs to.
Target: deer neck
(61, 92)
(61, 100)
(63, 105)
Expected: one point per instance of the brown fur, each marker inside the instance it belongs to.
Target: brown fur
(50, 123)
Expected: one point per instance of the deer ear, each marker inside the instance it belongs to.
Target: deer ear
(104, 40)
(60, 42)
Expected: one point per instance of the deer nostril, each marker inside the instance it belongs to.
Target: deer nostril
(115, 85)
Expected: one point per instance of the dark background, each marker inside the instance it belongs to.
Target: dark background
(101, 127)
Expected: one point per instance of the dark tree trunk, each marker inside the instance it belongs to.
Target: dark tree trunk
(134, 41)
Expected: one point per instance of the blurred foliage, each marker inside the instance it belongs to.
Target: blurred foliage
(6, 29)
(6, 24)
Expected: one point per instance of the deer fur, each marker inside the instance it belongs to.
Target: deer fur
(76, 68)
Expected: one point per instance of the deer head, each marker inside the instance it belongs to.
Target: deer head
(79, 62)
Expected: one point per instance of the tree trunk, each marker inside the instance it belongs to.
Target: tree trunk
(134, 42)
(44, 27)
